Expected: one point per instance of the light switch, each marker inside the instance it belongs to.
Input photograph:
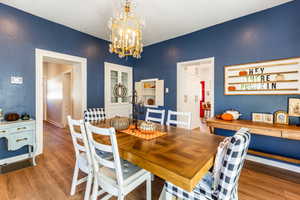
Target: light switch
(16, 80)
(167, 90)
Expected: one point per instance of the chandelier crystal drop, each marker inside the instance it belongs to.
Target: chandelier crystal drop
(126, 33)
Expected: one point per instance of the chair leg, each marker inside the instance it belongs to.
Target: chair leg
(121, 197)
(148, 188)
(95, 189)
(88, 186)
(75, 178)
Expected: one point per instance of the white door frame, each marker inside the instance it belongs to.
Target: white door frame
(181, 65)
(40, 54)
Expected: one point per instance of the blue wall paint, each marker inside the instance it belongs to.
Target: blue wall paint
(270, 34)
(20, 34)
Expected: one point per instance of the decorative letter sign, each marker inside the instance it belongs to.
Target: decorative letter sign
(263, 78)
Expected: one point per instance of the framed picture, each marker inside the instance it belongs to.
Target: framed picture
(268, 118)
(281, 117)
(257, 117)
(294, 107)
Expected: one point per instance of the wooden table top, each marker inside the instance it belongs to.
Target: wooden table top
(182, 156)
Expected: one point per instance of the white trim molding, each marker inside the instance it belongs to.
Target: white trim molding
(273, 163)
(40, 56)
(7, 161)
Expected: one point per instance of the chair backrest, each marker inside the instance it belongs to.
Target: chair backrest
(111, 163)
(79, 139)
(187, 115)
(94, 115)
(232, 165)
(160, 120)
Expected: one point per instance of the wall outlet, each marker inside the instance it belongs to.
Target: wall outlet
(167, 90)
(16, 80)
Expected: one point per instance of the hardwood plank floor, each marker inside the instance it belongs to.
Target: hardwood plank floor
(51, 178)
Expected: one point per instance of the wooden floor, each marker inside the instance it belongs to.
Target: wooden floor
(51, 178)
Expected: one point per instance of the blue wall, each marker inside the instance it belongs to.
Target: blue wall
(270, 34)
(20, 34)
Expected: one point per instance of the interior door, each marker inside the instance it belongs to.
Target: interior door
(117, 74)
(191, 95)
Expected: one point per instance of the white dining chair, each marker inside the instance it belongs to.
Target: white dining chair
(185, 123)
(152, 112)
(83, 157)
(112, 175)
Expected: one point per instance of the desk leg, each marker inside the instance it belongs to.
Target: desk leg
(212, 130)
(32, 154)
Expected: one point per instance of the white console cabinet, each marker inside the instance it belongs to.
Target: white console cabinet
(19, 134)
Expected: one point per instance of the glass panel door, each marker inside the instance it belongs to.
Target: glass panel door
(114, 80)
(124, 80)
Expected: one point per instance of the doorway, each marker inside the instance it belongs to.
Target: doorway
(56, 76)
(58, 91)
(195, 89)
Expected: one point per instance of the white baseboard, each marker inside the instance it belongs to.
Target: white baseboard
(273, 163)
(55, 123)
(14, 159)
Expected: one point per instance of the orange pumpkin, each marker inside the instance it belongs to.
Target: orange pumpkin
(243, 73)
(227, 117)
(231, 88)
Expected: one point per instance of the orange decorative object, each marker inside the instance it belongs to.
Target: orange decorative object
(227, 117)
(140, 134)
(243, 73)
(231, 88)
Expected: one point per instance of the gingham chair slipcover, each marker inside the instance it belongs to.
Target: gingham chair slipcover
(230, 172)
(94, 115)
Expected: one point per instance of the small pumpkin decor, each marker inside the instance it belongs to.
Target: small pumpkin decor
(147, 127)
(227, 117)
(119, 123)
(231, 88)
(243, 73)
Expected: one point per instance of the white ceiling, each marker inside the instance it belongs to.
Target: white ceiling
(165, 19)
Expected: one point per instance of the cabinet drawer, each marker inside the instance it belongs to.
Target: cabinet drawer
(22, 127)
(293, 135)
(268, 132)
(19, 140)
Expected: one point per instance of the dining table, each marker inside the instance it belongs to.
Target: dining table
(181, 156)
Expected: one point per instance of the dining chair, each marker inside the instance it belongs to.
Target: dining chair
(186, 124)
(227, 185)
(112, 175)
(159, 119)
(94, 115)
(83, 157)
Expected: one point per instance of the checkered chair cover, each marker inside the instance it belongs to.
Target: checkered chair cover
(230, 172)
(94, 115)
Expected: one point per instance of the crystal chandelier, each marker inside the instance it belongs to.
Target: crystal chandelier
(126, 33)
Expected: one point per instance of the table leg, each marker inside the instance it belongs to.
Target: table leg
(212, 130)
